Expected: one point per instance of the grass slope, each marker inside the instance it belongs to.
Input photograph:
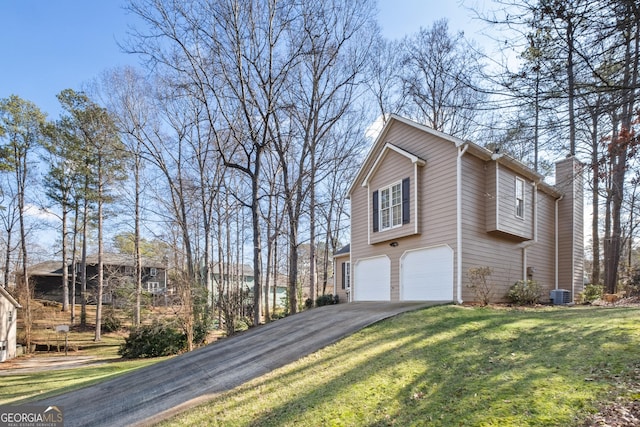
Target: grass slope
(448, 366)
(27, 387)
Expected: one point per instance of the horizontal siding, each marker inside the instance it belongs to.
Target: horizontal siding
(541, 255)
(505, 257)
(508, 222)
(394, 168)
(437, 207)
(479, 248)
(491, 204)
(570, 225)
(500, 250)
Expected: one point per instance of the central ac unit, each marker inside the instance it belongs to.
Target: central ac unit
(560, 297)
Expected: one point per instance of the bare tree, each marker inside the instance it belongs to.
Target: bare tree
(21, 123)
(440, 79)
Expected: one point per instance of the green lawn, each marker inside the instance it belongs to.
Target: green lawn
(448, 366)
(24, 388)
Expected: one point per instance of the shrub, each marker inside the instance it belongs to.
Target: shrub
(325, 300)
(591, 293)
(308, 303)
(524, 292)
(632, 287)
(155, 340)
(278, 313)
(110, 321)
(242, 324)
(202, 327)
(480, 284)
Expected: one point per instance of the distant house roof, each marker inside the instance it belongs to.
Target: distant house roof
(343, 250)
(126, 260)
(54, 268)
(7, 295)
(47, 268)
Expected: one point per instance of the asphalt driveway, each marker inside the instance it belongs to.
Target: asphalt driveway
(155, 392)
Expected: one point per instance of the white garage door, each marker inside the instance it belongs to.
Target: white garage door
(427, 274)
(372, 279)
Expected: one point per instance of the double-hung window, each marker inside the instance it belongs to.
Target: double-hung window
(346, 275)
(519, 197)
(391, 206)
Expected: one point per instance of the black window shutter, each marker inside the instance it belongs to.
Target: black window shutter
(343, 272)
(406, 199)
(375, 212)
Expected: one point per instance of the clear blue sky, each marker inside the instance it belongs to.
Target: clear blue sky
(50, 45)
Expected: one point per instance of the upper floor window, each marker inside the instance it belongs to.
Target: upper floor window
(153, 272)
(519, 197)
(391, 206)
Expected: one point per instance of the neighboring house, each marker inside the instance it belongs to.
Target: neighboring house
(118, 271)
(342, 273)
(240, 277)
(8, 324)
(426, 207)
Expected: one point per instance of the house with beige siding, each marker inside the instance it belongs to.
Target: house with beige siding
(8, 325)
(427, 207)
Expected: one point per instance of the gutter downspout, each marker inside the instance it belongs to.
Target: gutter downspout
(535, 233)
(556, 236)
(461, 151)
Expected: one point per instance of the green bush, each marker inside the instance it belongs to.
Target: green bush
(326, 300)
(524, 292)
(155, 340)
(110, 321)
(591, 293)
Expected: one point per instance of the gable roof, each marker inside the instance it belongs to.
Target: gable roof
(472, 148)
(7, 295)
(383, 153)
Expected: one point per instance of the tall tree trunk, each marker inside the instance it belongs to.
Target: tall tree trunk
(65, 264)
(621, 140)
(83, 262)
(74, 270)
(595, 198)
(571, 85)
(257, 244)
(137, 237)
(98, 335)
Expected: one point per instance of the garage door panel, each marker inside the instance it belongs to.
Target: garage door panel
(372, 279)
(427, 274)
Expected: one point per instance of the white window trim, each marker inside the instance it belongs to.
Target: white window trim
(516, 199)
(390, 208)
(347, 275)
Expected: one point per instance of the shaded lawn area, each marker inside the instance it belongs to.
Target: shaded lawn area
(22, 388)
(449, 366)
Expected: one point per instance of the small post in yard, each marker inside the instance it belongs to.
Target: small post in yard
(65, 329)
